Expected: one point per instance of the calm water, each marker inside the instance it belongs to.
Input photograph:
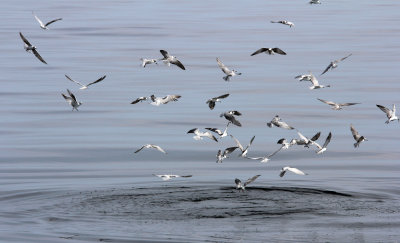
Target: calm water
(73, 175)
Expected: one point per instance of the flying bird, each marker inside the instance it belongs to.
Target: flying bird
(219, 132)
(211, 102)
(230, 116)
(337, 106)
(44, 26)
(290, 24)
(151, 146)
(29, 47)
(391, 114)
(241, 186)
(304, 77)
(359, 139)
(229, 73)
(199, 135)
(139, 100)
(277, 122)
(334, 64)
(266, 158)
(71, 99)
(322, 148)
(147, 61)
(304, 140)
(315, 2)
(85, 86)
(244, 150)
(164, 100)
(315, 83)
(169, 177)
(168, 59)
(269, 51)
(294, 170)
(223, 155)
(285, 144)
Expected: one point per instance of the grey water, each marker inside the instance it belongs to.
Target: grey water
(73, 176)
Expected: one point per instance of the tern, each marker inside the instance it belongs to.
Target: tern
(85, 86)
(199, 135)
(277, 122)
(334, 64)
(241, 186)
(147, 61)
(294, 170)
(315, 2)
(244, 150)
(71, 99)
(169, 177)
(336, 106)
(139, 100)
(359, 139)
(229, 73)
(44, 26)
(211, 102)
(164, 100)
(269, 51)
(152, 146)
(304, 140)
(391, 114)
(230, 116)
(168, 59)
(304, 77)
(223, 155)
(285, 144)
(266, 158)
(322, 148)
(290, 24)
(219, 132)
(29, 47)
(315, 83)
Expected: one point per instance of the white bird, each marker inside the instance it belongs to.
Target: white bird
(223, 155)
(44, 26)
(359, 139)
(336, 106)
(139, 100)
(230, 116)
(290, 24)
(315, 2)
(322, 148)
(304, 77)
(199, 135)
(168, 59)
(229, 73)
(315, 83)
(241, 186)
(71, 99)
(169, 177)
(334, 64)
(147, 61)
(277, 122)
(211, 102)
(269, 51)
(391, 114)
(266, 158)
(219, 132)
(85, 86)
(163, 100)
(285, 144)
(244, 150)
(294, 170)
(152, 146)
(304, 140)
(29, 47)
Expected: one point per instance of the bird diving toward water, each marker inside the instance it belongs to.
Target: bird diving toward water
(229, 73)
(29, 47)
(334, 64)
(151, 146)
(71, 99)
(337, 106)
(269, 51)
(359, 139)
(44, 26)
(390, 114)
(169, 177)
(163, 100)
(322, 148)
(241, 186)
(168, 59)
(230, 116)
(85, 86)
(211, 102)
(290, 24)
(294, 170)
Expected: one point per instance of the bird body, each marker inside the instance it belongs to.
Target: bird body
(359, 139)
(229, 73)
(71, 99)
(230, 116)
(168, 59)
(290, 24)
(199, 135)
(211, 102)
(164, 100)
(390, 114)
(147, 61)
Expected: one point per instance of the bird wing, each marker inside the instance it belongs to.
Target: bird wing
(211, 104)
(158, 148)
(66, 97)
(238, 143)
(37, 55)
(328, 139)
(316, 136)
(236, 113)
(302, 136)
(137, 151)
(250, 180)
(327, 68)
(138, 100)
(50, 22)
(98, 80)
(74, 80)
(394, 109)
(194, 130)
(356, 135)
(314, 80)
(178, 63)
(283, 172)
(279, 51)
(348, 104)
(186, 176)
(327, 102)
(238, 182)
(38, 20)
(232, 119)
(72, 95)
(275, 152)
(229, 150)
(224, 68)
(296, 171)
(209, 135)
(165, 53)
(259, 51)
(169, 98)
(24, 39)
(284, 125)
(251, 141)
(216, 130)
(344, 57)
(221, 96)
(386, 110)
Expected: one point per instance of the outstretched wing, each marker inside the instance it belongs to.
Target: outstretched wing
(348, 104)
(328, 139)
(137, 151)
(229, 150)
(98, 80)
(222, 96)
(50, 22)
(37, 55)
(178, 63)
(72, 95)
(296, 171)
(314, 80)
(232, 119)
(345, 57)
(224, 68)
(164, 53)
(279, 51)
(216, 130)
(327, 68)
(70, 79)
(158, 148)
(250, 180)
(326, 101)
(24, 39)
(169, 98)
(386, 110)
(356, 135)
(38, 20)
(238, 143)
(259, 51)
(316, 136)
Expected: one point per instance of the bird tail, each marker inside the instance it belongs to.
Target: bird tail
(269, 124)
(356, 145)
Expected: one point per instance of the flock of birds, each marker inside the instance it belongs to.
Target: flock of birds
(230, 116)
